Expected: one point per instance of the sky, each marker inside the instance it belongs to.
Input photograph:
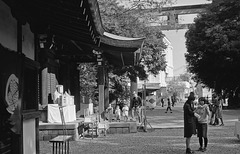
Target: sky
(177, 38)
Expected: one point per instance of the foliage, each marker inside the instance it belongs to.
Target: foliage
(176, 86)
(185, 77)
(213, 46)
(144, 9)
(118, 87)
(88, 84)
(130, 72)
(152, 56)
(146, 4)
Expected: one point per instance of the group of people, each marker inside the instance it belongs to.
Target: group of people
(196, 120)
(216, 108)
(170, 103)
(135, 107)
(118, 112)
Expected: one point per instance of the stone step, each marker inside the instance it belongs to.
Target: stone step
(122, 127)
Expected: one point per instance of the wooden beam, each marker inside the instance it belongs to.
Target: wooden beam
(173, 27)
(73, 36)
(73, 31)
(179, 10)
(184, 7)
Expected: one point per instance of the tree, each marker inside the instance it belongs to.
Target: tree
(185, 77)
(176, 87)
(119, 88)
(87, 75)
(213, 46)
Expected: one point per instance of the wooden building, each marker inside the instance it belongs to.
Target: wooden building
(41, 44)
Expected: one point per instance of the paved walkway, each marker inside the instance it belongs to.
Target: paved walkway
(158, 119)
(159, 141)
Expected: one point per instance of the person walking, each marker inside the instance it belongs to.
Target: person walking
(173, 99)
(202, 125)
(162, 101)
(218, 113)
(168, 105)
(189, 121)
(213, 120)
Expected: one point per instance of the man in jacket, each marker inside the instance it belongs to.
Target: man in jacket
(136, 106)
(189, 121)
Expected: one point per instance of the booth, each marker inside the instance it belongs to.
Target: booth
(64, 101)
(69, 113)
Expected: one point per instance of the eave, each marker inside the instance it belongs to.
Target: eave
(77, 24)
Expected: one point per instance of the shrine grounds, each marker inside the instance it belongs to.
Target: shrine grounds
(165, 137)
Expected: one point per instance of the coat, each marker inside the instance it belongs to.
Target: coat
(189, 119)
(136, 102)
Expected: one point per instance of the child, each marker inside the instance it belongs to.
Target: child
(118, 113)
(203, 111)
(125, 112)
(109, 112)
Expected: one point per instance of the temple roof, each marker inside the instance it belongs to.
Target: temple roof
(76, 25)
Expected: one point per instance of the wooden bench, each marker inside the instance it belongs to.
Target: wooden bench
(61, 144)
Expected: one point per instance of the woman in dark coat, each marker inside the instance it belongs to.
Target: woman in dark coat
(189, 121)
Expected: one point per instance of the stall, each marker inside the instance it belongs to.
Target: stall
(64, 101)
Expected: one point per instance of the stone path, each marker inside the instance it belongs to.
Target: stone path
(165, 138)
(159, 119)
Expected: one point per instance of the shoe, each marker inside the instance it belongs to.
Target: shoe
(204, 149)
(222, 125)
(165, 112)
(171, 112)
(200, 149)
(189, 152)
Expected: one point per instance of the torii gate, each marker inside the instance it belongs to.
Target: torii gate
(172, 15)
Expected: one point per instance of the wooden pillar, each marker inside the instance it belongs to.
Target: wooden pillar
(106, 90)
(44, 99)
(19, 37)
(101, 89)
(75, 85)
(77, 91)
(133, 88)
(101, 84)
